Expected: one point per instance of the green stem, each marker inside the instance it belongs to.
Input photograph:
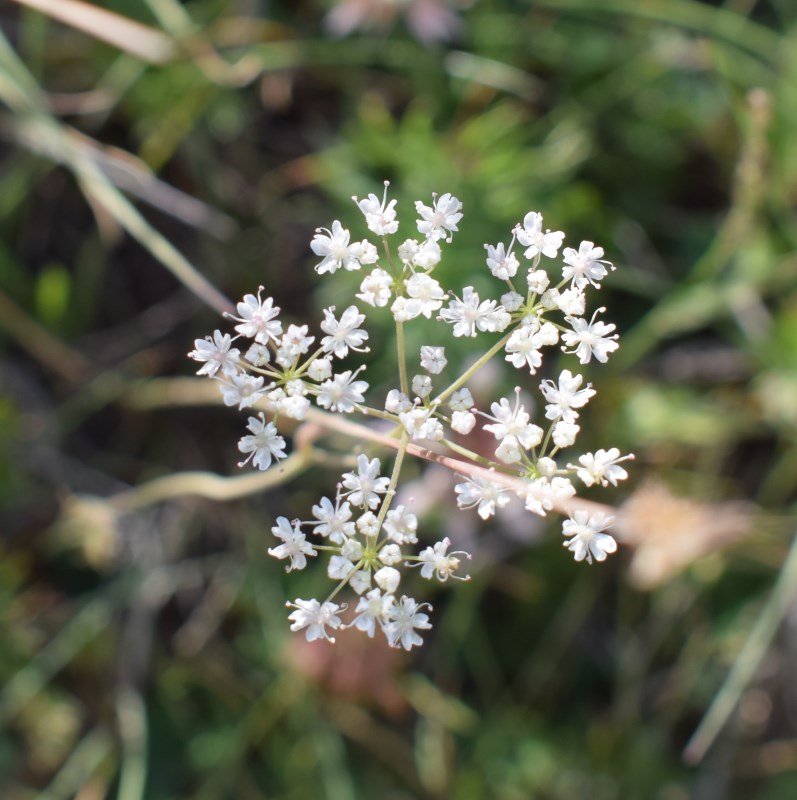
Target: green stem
(391, 489)
(463, 451)
(472, 369)
(402, 362)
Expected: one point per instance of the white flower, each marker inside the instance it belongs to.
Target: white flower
(590, 338)
(585, 266)
(469, 314)
(360, 581)
(565, 433)
(501, 264)
(571, 302)
(375, 288)
(379, 217)
(433, 359)
(601, 467)
(397, 402)
(530, 235)
(368, 523)
(562, 400)
(294, 544)
(512, 427)
(587, 539)
(333, 522)
(343, 333)
(422, 385)
(342, 392)
(425, 255)
(258, 355)
(258, 318)
(482, 493)
(425, 295)
(372, 609)
(216, 353)
(461, 400)
(294, 343)
(336, 252)
(435, 561)
(463, 422)
(405, 616)
(387, 579)
(537, 280)
(241, 390)
(511, 301)
(340, 568)
(365, 485)
(315, 618)
(439, 221)
(390, 555)
(401, 525)
(263, 445)
(352, 549)
(419, 424)
(320, 369)
(543, 494)
(547, 467)
(523, 347)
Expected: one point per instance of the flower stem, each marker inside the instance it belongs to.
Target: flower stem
(391, 489)
(472, 369)
(402, 361)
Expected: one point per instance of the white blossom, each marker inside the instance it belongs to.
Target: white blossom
(216, 353)
(433, 359)
(380, 217)
(387, 579)
(463, 422)
(263, 444)
(372, 610)
(483, 493)
(342, 393)
(590, 338)
(530, 235)
(422, 385)
(436, 561)
(405, 617)
(314, 618)
(401, 526)
(397, 402)
(585, 265)
(343, 333)
(320, 369)
(511, 301)
(470, 314)
(424, 295)
(375, 288)
(586, 537)
(424, 255)
(335, 250)
(294, 544)
(365, 485)
(333, 521)
(257, 318)
(241, 390)
(502, 265)
(601, 467)
(566, 397)
(512, 427)
(461, 400)
(439, 221)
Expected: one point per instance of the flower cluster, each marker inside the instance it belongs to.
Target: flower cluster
(283, 369)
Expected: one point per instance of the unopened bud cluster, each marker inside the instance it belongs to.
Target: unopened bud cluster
(284, 368)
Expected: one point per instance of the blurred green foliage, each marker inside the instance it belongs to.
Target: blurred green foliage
(145, 654)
